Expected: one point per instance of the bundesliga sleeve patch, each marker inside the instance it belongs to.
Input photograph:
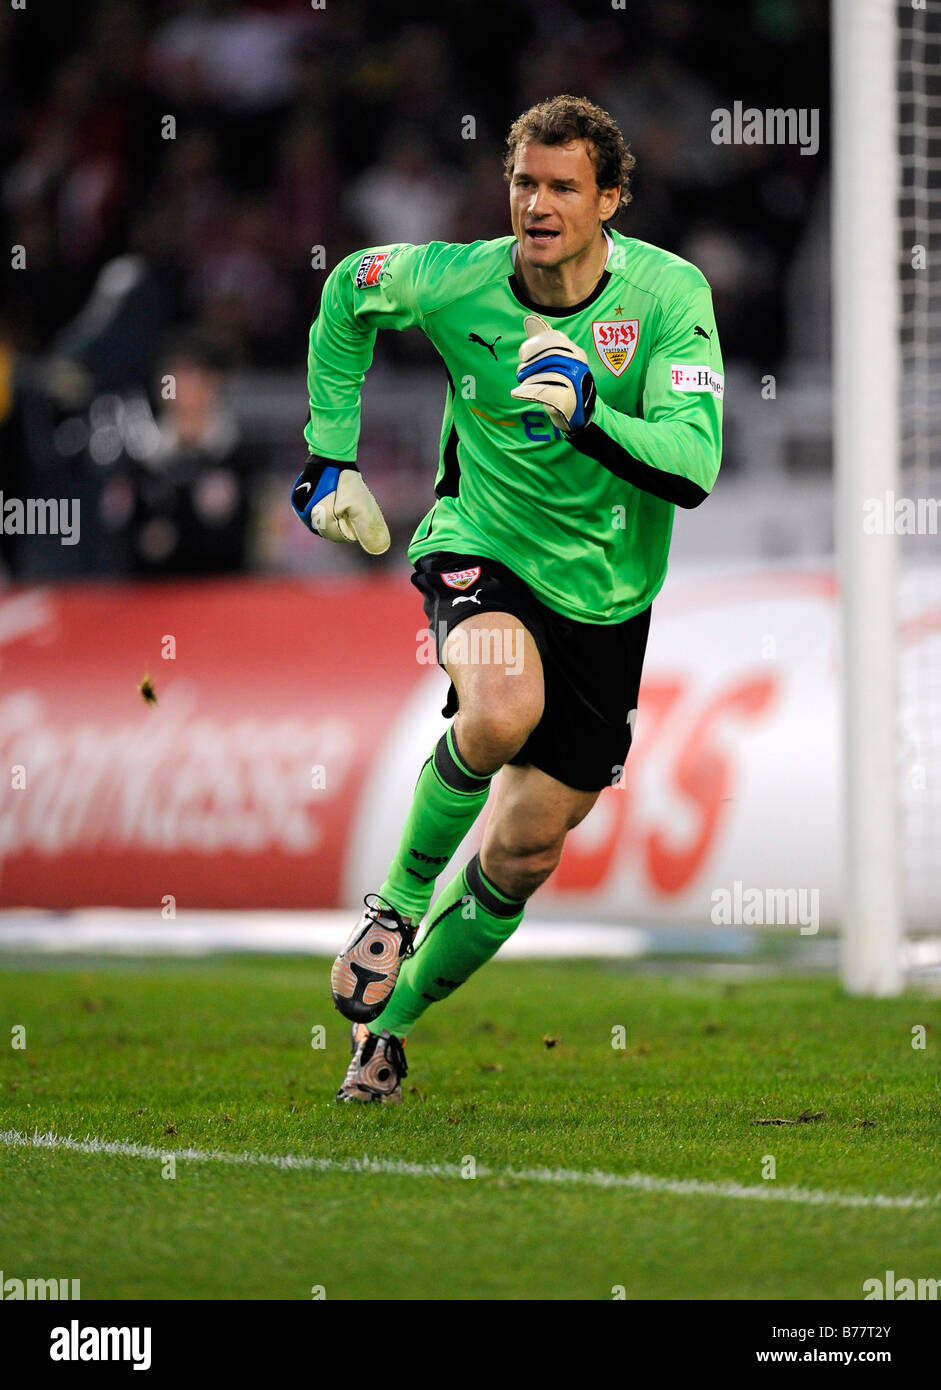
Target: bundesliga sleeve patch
(370, 268)
(686, 378)
(461, 579)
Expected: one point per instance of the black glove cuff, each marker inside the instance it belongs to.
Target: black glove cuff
(590, 396)
(316, 463)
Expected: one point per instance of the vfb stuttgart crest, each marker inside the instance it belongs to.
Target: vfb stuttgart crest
(616, 343)
(461, 579)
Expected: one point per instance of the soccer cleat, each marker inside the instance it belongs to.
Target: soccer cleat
(377, 1068)
(365, 971)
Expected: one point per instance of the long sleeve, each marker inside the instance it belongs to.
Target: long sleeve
(674, 450)
(368, 290)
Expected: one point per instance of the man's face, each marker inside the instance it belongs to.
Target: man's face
(555, 203)
(196, 392)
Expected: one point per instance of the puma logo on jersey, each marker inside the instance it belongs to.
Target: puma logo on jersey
(466, 598)
(491, 347)
(702, 332)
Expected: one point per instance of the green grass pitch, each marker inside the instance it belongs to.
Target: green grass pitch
(216, 1055)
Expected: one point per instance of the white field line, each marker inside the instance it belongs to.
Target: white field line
(635, 1182)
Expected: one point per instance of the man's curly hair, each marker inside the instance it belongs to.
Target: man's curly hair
(565, 118)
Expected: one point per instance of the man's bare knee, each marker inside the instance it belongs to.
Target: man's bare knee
(519, 867)
(489, 733)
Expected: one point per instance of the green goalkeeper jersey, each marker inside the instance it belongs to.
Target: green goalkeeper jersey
(585, 522)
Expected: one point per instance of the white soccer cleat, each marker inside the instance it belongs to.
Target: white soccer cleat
(377, 1067)
(365, 971)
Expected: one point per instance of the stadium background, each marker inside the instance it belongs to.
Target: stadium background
(299, 129)
(182, 177)
(684, 1107)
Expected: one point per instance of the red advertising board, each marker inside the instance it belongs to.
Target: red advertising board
(276, 767)
(237, 786)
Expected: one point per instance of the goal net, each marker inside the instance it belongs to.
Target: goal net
(918, 506)
(887, 444)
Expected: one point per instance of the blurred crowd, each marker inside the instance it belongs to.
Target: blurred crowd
(178, 176)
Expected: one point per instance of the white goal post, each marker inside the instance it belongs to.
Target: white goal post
(865, 238)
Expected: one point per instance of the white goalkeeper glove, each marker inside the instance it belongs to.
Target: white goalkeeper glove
(333, 501)
(554, 373)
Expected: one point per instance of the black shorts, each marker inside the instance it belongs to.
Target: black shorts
(592, 670)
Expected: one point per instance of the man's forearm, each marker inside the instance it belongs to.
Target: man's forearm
(671, 487)
(339, 354)
(683, 472)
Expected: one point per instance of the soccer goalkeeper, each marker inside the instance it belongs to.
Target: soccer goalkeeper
(584, 403)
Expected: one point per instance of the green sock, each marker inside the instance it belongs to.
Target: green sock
(470, 922)
(448, 798)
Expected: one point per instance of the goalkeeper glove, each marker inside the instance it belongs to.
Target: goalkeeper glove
(554, 372)
(333, 501)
